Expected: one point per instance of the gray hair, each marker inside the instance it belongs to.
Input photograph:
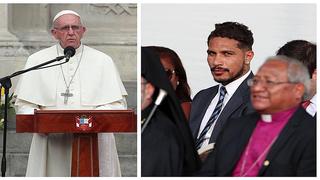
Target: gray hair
(297, 72)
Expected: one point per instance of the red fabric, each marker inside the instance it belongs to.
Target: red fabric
(305, 104)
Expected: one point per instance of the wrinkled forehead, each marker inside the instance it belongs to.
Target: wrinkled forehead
(68, 19)
(273, 69)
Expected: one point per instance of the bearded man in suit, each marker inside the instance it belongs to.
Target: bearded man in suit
(229, 56)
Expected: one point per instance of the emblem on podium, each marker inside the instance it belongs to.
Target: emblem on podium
(84, 122)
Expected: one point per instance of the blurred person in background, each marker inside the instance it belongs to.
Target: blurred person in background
(177, 75)
(167, 147)
(305, 52)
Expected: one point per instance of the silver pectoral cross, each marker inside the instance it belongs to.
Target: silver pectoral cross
(66, 95)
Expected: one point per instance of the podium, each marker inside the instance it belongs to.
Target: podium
(84, 125)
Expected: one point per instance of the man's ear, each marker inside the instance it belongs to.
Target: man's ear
(149, 90)
(314, 75)
(300, 90)
(54, 33)
(248, 56)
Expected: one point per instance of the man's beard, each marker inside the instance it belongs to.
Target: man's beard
(227, 81)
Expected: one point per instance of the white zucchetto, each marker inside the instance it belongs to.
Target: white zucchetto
(63, 12)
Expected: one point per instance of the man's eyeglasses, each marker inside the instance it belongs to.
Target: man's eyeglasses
(170, 72)
(68, 27)
(267, 83)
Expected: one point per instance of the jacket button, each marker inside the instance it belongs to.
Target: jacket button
(266, 163)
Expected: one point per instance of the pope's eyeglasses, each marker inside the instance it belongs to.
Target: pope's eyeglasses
(68, 27)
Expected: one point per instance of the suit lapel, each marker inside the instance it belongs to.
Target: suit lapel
(233, 104)
(202, 108)
(284, 135)
(244, 133)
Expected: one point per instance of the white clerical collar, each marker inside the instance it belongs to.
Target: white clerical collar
(266, 118)
(60, 49)
(233, 86)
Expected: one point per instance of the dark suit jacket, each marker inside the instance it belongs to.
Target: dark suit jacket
(292, 154)
(238, 105)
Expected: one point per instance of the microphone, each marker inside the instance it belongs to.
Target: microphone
(162, 94)
(69, 52)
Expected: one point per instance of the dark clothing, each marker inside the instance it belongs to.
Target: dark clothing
(238, 105)
(161, 148)
(292, 154)
(167, 146)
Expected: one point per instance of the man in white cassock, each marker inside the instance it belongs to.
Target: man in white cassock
(88, 81)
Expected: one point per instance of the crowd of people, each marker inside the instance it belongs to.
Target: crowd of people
(261, 124)
(249, 124)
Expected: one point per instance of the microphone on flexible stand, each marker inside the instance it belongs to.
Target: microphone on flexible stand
(6, 83)
(161, 96)
(69, 52)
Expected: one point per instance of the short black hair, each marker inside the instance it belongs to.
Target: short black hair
(302, 50)
(233, 30)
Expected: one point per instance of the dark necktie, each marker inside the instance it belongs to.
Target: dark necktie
(213, 117)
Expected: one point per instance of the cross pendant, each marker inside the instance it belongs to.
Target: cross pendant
(66, 95)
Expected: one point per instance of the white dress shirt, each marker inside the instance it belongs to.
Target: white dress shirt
(231, 88)
(312, 107)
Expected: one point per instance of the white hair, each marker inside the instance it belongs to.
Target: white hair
(297, 72)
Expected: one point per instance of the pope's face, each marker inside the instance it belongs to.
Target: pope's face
(68, 30)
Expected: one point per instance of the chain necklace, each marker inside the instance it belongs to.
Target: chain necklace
(242, 173)
(67, 93)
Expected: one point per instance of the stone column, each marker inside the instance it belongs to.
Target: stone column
(12, 52)
(9, 43)
(30, 23)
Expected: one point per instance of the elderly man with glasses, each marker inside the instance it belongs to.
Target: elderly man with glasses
(279, 139)
(88, 81)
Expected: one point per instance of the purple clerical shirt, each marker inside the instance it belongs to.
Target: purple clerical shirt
(260, 142)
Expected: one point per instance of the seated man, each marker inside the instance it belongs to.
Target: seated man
(277, 140)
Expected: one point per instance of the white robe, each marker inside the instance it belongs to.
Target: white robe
(96, 85)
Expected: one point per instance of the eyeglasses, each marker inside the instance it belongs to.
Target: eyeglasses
(170, 72)
(267, 83)
(67, 28)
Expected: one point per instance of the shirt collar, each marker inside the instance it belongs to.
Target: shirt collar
(233, 86)
(60, 50)
(314, 99)
(281, 116)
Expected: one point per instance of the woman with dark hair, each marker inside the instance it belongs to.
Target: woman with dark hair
(167, 146)
(177, 76)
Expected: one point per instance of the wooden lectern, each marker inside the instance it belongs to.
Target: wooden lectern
(84, 124)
